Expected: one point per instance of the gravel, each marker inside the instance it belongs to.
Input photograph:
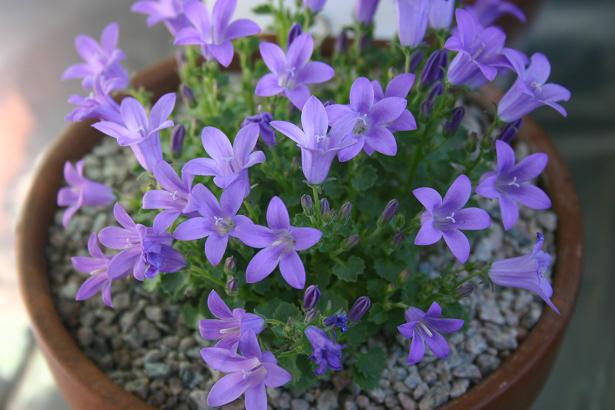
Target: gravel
(144, 345)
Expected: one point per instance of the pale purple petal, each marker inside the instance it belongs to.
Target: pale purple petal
(268, 85)
(91, 287)
(256, 397)
(530, 167)
(417, 350)
(530, 196)
(505, 157)
(428, 197)
(201, 166)
(228, 389)
(217, 306)
(262, 264)
(273, 57)
(116, 238)
(241, 28)
(381, 140)
(245, 141)
(291, 131)
(438, 344)
(123, 262)
(277, 214)
(387, 110)
(458, 243)
(472, 219)
(315, 72)
(361, 95)
(445, 325)
(509, 211)
(400, 85)
(216, 144)
(223, 53)
(162, 109)
(300, 51)
(255, 236)
(305, 238)
(215, 246)
(298, 95)
(427, 235)
(292, 270)
(192, 229)
(276, 376)
(458, 194)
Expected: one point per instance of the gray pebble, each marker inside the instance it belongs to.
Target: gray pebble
(459, 387)
(435, 397)
(299, 404)
(157, 370)
(327, 400)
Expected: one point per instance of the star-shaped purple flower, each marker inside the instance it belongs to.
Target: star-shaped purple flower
(99, 59)
(531, 89)
(365, 121)
(229, 325)
(228, 164)
(249, 373)
(217, 221)
(137, 131)
(488, 11)
(426, 328)
(99, 104)
(96, 265)
(526, 272)
(325, 352)
(511, 183)
(214, 32)
(169, 12)
(318, 147)
(447, 217)
(291, 73)
(81, 192)
(479, 52)
(175, 196)
(399, 86)
(280, 243)
(147, 251)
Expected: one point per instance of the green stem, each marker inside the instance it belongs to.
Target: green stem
(315, 195)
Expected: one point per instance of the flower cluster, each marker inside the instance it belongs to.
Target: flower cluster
(333, 169)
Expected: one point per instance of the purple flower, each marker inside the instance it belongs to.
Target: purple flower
(318, 147)
(137, 131)
(412, 19)
(441, 13)
(325, 353)
(214, 32)
(174, 197)
(511, 183)
(229, 325)
(264, 126)
(250, 373)
(509, 132)
(147, 251)
(279, 243)
(96, 265)
(488, 11)
(177, 140)
(479, 52)
(217, 221)
(292, 72)
(294, 32)
(452, 124)
(366, 121)
(99, 104)
(314, 6)
(310, 297)
(426, 328)
(526, 272)
(169, 12)
(434, 69)
(337, 321)
(531, 89)
(447, 217)
(399, 86)
(365, 10)
(228, 164)
(81, 192)
(99, 59)
(359, 308)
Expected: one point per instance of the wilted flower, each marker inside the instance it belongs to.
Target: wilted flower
(359, 309)
(325, 352)
(264, 126)
(81, 191)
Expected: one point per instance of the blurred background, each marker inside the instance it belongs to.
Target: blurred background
(36, 44)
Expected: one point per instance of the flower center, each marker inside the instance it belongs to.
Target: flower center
(536, 86)
(360, 126)
(287, 80)
(223, 225)
(479, 52)
(514, 183)
(286, 240)
(425, 329)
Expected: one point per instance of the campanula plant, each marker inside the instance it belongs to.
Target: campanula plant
(289, 203)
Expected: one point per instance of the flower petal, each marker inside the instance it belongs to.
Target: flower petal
(417, 349)
(262, 264)
(315, 72)
(472, 219)
(438, 344)
(215, 246)
(245, 141)
(298, 95)
(531, 196)
(192, 229)
(273, 57)
(458, 243)
(292, 270)
(427, 235)
(361, 95)
(216, 144)
(256, 397)
(300, 51)
(277, 214)
(291, 131)
(428, 197)
(305, 238)
(458, 194)
(530, 167)
(509, 211)
(228, 389)
(276, 376)
(268, 85)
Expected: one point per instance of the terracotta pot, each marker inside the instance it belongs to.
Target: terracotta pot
(513, 386)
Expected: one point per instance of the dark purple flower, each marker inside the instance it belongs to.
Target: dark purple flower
(187, 94)
(511, 183)
(81, 192)
(280, 243)
(177, 140)
(509, 132)
(337, 321)
(434, 67)
(390, 210)
(214, 31)
(488, 11)
(359, 309)
(169, 12)
(318, 146)
(342, 41)
(415, 61)
(426, 328)
(264, 126)
(249, 373)
(99, 59)
(292, 72)
(325, 352)
(137, 131)
(311, 296)
(314, 6)
(294, 32)
(366, 121)
(399, 86)
(452, 125)
(99, 104)
(96, 265)
(531, 89)
(175, 196)
(146, 251)
(526, 272)
(365, 10)
(430, 101)
(229, 326)
(228, 164)
(447, 217)
(218, 222)
(479, 52)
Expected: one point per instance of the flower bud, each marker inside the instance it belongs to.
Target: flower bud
(342, 41)
(351, 242)
(306, 202)
(390, 210)
(325, 208)
(232, 284)
(509, 132)
(451, 126)
(434, 67)
(359, 309)
(398, 238)
(310, 315)
(415, 61)
(264, 125)
(187, 94)
(311, 296)
(466, 289)
(294, 32)
(346, 210)
(229, 265)
(365, 10)
(430, 101)
(177, 140)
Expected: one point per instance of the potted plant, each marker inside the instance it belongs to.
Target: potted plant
(309, 217)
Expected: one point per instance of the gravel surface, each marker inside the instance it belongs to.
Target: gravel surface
(144, 345)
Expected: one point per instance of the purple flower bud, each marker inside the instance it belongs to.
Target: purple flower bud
(229, 265)
(306, 202)
(359, 309)
(314, 5)
(465, 290)
(294, 32)
(428, 104)
(434, 67)
(509, 132)
(398, 238)
(310, 315)
(415, 61)
(390, 210)
(351, 242)
(346, 210)
(325, 208)
(187, 94)
(177, 140)
(310, 297)
(426, 108)
(365, 10)
(266, 131)
(341, 43)
(451, 126)
(231, 286)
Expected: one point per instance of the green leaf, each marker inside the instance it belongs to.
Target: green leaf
(350, 271)
(285, 311)
(387, 269)
(174, 284)
(365, 178)
(368, 368)
(263, 9)
(377, 314)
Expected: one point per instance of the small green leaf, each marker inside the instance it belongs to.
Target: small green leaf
(350, 271)
(369, 367)
(365, 178)
(263, 9)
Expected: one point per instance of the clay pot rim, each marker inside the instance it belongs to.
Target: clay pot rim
(69, 362)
